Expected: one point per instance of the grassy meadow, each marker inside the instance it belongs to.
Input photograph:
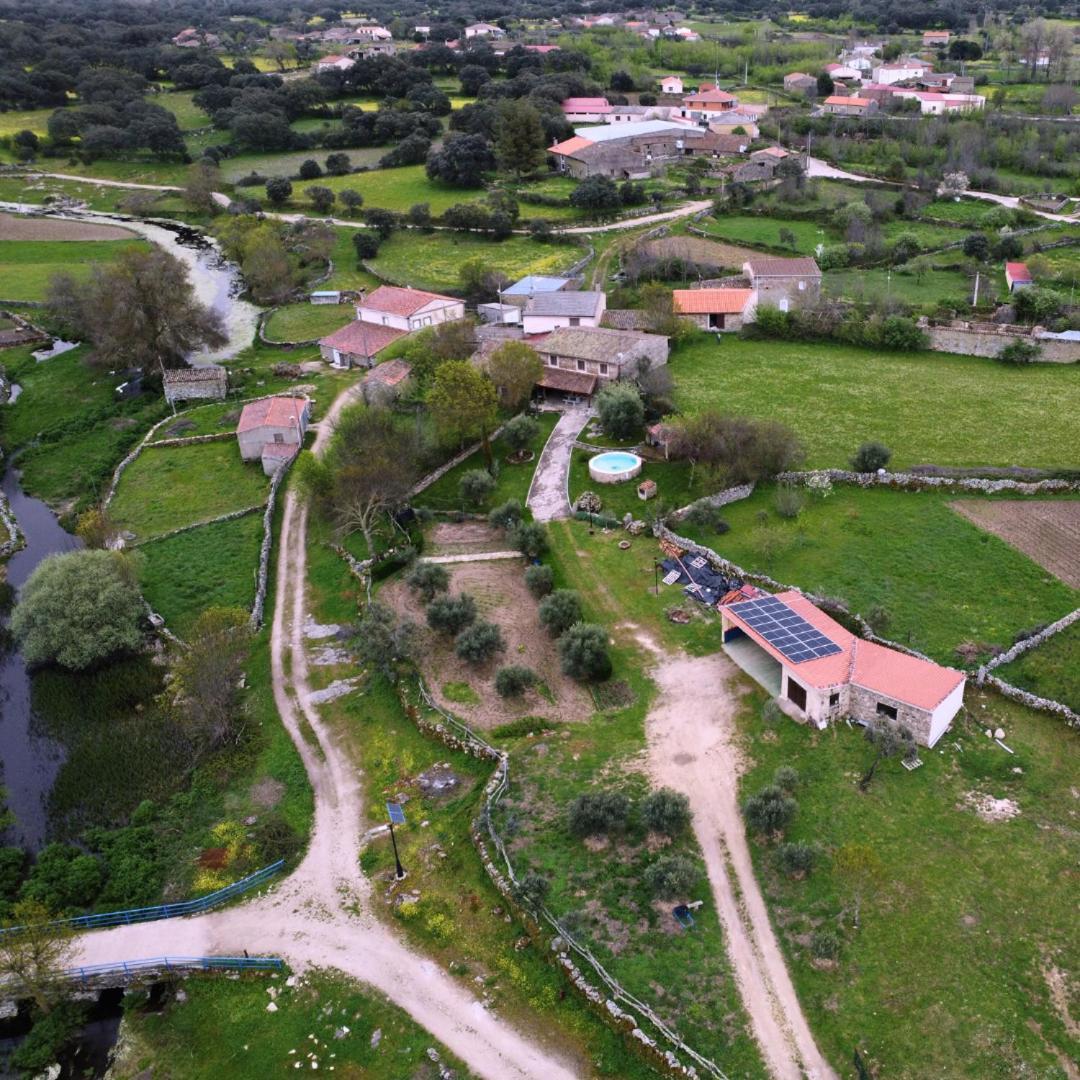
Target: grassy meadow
(927, 407)
(30, 264)
(305, 321)
(1051, 670)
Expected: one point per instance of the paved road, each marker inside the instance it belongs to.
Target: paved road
(547, 497)
(648, 219)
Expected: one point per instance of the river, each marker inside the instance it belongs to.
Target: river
(30, 760)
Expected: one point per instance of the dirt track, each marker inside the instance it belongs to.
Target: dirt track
(692, 749)
(40, 228)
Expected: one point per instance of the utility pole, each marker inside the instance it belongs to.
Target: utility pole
(975, 302)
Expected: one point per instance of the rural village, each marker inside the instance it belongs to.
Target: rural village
(539, 548)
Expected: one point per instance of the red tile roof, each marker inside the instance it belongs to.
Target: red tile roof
(586, 104)
(711, 96)
(362, 338)
(920, 683)
(1018, 271)
(283, 412)
(569, 147)
(390, 373)
(837, 100)
(711, 301)
(397, 301)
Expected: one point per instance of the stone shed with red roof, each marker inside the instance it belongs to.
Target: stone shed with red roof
(272, 430)
(822, 672)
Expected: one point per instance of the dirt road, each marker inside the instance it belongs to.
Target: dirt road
(691, 748)
(322, 915)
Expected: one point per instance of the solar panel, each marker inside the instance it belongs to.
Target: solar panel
(397, 815)
(785, 630)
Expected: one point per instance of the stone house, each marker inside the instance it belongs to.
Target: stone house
(822, 672)
(935, 39)
(357, 344)
(783, 282)
(593, 356)
(334, 63)
(386, 382)
(209, 382)
(272, 430)
(849, 106)
(798, 82)
(550, 310)
(586, 110)
(715, 309)
(408, 309)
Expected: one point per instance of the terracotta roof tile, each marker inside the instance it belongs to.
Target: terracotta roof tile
(284, 412)
(396, 301)
(362, 338)
(711, 301)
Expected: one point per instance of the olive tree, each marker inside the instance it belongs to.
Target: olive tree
(666, 811)
(559, 611)
(621, 409)
(451, 614)
(583, 650)
(513, 680)
(770, 811)
(672, 876)
(599, 813)
(427, 580)
(479, 642)
(79, 609)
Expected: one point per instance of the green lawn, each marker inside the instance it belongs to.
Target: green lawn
(929, 234)
(962, 917)
(179, 102)
(37, 190)
(963, 211)
(213, 566)
(306, 321)
(760, 231)
(513, 481)
(922, 288)
(288, 163)
(432, 260)
(223, 1029)
(928, 407)
(166, 488)
(393, 189)
(15, 120)
(1050, 670)
(672, 480)
(941, 580)
(29, 264)
(348, 274)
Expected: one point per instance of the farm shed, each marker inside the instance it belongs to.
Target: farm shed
(715, 309)
(207, 383)
(357, 344)
(823, 672)
(272, 430)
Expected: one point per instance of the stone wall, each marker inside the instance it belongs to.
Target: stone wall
(259, 605)
(721, 498)
(918, 482)
(863, 703)
(1029, 643)
(457, 459)
(1033, 701)
(985, 339)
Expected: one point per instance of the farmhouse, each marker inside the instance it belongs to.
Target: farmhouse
(935, 38)
(272, 430)
(901, 71)
(715, 309)
(671, 84)
(586, 110)
(408, 309)
(357, 344)
(779, 281)
(334, 63)
(481, 29)
(633, 150)
(842, 71)
(577, 360)
(207, 383)
(821, 672)
(1018, 276)
(798, 82)
(707, 103)
(933, 104)
(849, 106)
(386, 382)
(549, 310)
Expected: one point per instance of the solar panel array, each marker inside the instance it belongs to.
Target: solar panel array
(785, 630)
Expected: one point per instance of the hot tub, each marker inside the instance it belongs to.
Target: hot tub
(614, 467)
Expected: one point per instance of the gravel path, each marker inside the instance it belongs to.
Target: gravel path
(475, 556)
(547, 494)
(691, 748)
(322, 915)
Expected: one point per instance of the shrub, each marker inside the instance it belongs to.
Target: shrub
(672, 876)
(598, 813)
(451, 614)
(900, 332)
(1019, 352)
(479, 642)
(519, 433)
(513, 680)
(621, 409)
(428, 579)
(310, 170)
(795, 860)
(770, 811)
(666, 811)
(771, 712)
(559, 611)
(825, 945)
(870, 457)
(532, 889)
(506, 516)
(786, 778)
(583, 652)
(366, 244)
(539, 580)
(789, 501)
(529, 538)
(705, 515)
(476, 486)
(50, 1036)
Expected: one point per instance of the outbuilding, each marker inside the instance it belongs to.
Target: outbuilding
(208, 382)
(1018, 276)
(272, 430)
(715, 309)
(357, 344)
(550, 310)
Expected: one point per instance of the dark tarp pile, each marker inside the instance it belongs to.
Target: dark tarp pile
(701, 582)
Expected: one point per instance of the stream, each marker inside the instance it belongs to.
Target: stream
(30, 759)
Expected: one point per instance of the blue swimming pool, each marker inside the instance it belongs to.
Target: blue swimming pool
(614, 466)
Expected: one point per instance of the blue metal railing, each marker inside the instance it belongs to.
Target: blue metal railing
(167, 911)
(128, 969)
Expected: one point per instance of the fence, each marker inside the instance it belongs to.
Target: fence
(167, 911)
(158, 965)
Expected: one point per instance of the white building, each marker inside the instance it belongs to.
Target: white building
(547, 311)
(481, 29)
(671, 84)
(901, 71)
(935, 104)
(334, 63)
(408, 309)
(272, 430)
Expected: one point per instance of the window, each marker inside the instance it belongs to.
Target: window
(581, 365)
(888, 711)
(603, 369)
(834, 700)
(278, 437)
(796, 693)
(553, 361)
(575, 321)
(802, 286)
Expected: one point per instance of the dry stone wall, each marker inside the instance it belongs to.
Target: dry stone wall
(971, 339)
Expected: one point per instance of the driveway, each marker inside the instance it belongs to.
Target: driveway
(547, 497)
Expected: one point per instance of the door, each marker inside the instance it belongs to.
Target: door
(796, 694)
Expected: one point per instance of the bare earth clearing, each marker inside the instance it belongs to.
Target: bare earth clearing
(1046, 531)
(34, 228)
(691, 737)
(695, 249)
(502, 598)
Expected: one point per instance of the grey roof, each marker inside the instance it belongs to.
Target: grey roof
(630, 128)
(535, 283)
(767, 266)
(205, 373)
(605, 346)
(573, 304)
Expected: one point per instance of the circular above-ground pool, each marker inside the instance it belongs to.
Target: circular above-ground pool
(614, 467)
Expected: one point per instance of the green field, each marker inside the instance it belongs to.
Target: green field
(393, 189)
(179, 102)
(16, 120)
(223, 1029)
(761, 231)
(432, 260)
(306, 321)
(962, 922)
(513, 480)
(29, 264)
(1051, 670)
(38, 190)
(921, 288)
(214, 566)
(927, 407)
(939, 579)
(288, 164)
(170, 487)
